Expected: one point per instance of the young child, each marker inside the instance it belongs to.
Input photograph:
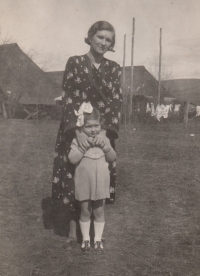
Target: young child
(92, 176)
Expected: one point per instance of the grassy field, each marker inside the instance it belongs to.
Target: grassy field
(152, 229)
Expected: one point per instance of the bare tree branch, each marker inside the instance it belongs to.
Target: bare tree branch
(32, 54)
(6, 39)
(166, 73)
(47, 64)
(42, 60)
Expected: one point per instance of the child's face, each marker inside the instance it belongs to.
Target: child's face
(92, 128)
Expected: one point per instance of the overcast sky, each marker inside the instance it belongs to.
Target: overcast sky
(55, 29)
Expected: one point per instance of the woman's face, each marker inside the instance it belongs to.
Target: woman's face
(91, 128)
(101, 42)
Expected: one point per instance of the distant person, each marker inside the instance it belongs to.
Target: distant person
(92, 176)
(87, 78)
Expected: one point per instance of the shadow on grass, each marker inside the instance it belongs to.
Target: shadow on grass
(56, 217)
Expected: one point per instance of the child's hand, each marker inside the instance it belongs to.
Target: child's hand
(91, 141)
(84, 141)
(100, 144)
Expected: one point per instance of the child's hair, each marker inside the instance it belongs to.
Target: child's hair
(95, 115)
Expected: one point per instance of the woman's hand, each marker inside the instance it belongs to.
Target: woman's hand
(84, 141)
(100, 139)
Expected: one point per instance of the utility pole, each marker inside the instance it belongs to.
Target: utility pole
(160, 63)
(186, 111)
(132, 68)
(124, 84)
(124, 61)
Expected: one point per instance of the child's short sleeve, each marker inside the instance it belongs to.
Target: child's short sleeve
(74, 145)
(108, 145)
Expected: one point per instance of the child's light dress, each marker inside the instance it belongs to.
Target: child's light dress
(92, 176)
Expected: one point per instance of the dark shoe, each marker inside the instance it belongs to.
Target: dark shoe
(85, 247)
(98, 248)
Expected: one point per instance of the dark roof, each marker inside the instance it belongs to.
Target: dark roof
(56, 77)
(184, 89)
(18, 73)
(144, 83)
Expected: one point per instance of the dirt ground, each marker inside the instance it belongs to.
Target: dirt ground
(152, 229)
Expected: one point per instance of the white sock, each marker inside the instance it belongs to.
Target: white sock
(98, 230)
(85, 230)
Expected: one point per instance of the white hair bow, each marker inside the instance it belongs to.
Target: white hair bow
(85, 107)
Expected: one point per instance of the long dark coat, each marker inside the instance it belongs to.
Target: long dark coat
(82, 82)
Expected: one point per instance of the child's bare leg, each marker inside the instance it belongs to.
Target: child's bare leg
(98, 210)
(86, 210)
(72, 232)
(99, 222)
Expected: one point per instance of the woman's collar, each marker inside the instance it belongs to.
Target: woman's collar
(92, 60)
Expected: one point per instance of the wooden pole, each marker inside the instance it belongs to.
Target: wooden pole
(124, 61)
(37, 108)
(186, 111)
(4, 112)
(124, 84)
(132, 67)
(160, 63)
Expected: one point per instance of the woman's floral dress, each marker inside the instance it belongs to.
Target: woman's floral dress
(82, 82)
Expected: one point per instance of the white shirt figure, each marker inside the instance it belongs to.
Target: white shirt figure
(152, 110)
(169, 107)
(177, 108)
(159, 112)
(165, 111)
(197, 110)
(148, 109)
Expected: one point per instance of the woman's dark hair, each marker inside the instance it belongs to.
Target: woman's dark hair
(101, 26)
(95, 115)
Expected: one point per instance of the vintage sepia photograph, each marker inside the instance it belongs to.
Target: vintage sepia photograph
(99, 138)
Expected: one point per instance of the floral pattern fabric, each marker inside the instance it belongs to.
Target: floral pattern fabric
(78, 88)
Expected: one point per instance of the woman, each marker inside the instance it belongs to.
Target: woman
(93, 78)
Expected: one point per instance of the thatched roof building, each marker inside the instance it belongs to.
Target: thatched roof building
(56, 77)
(20, 75)
(144, 84)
